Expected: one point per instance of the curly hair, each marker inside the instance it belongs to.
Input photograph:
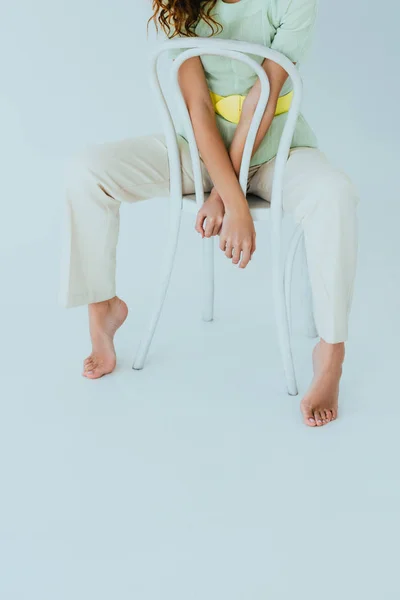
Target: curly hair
(180, 17)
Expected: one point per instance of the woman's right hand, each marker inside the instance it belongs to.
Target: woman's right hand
(212, 214)
(238, 235)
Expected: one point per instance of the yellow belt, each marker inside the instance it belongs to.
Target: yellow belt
(230, 107)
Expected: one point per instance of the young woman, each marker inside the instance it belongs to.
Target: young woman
(316, 194)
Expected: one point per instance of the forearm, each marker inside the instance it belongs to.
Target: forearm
(215, 156)
(232, 221)
(277, 76)
(239, 139)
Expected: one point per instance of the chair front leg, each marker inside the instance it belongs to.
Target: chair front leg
(169, 259)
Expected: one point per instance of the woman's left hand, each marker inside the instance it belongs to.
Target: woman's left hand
(212, 212)
(238, 235)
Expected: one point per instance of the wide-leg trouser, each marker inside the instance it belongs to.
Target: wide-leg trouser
(319, 197)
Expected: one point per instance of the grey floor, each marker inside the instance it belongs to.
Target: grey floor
(195, 477)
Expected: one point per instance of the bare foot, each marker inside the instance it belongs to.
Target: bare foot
(320, 404)
(104, 320)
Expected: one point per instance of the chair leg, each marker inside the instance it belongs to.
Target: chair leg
(309, 325)
(288, 274)
(208, 279)
(169, 257)
(284, 340)
(282, 288)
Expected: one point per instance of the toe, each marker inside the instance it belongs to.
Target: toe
(308, 417)
(318, 418)
(328, 416)
(94, 374)
(89, 366)
(95, 371)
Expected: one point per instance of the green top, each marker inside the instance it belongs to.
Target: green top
(283, 25)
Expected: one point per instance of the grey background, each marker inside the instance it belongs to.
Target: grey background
(194, 478)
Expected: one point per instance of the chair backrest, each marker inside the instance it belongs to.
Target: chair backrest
(236, 50)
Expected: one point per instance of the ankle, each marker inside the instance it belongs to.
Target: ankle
(102, 306)
(330, 357)
(332, 349)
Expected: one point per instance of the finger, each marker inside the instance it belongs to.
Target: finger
(218, 226)
(236, 255)
(199, 227)
(210, 222)
(246, 255)
(228, 250)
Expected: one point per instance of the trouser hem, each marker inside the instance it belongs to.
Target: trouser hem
(333, 337)
(75, 300)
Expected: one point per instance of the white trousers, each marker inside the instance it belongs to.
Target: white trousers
(317, 195)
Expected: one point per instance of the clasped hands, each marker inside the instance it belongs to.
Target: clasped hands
(234, 225)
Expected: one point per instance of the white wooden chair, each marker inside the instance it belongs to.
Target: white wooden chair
(282, 262)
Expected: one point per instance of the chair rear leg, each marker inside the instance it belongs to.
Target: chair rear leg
(309, 321)
(208, 279)
(169, 258)
(288, 273)
(282, 324)
(281, 291)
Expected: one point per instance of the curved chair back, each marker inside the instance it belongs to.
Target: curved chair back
(236, 50)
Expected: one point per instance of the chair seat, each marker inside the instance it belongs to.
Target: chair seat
(259, 208)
